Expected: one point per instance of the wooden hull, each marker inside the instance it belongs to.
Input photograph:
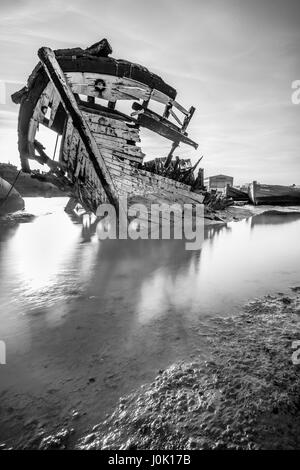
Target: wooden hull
(77, 94)
(236, 194)
(261, 194)
(129, 180)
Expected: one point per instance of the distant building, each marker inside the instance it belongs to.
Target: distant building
(218, 182)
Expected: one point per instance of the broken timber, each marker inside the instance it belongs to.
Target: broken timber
(76, 93)
(160, 125)
(56, 74)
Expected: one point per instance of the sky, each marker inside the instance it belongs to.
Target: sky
(234, 60)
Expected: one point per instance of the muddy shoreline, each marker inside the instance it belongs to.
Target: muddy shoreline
(220, 217)
(237, 212)
(233, 213)
(244, 394)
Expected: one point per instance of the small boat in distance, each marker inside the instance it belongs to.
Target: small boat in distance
(274, 194)
(236, 194)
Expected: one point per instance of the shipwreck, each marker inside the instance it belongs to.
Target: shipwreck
(75, 93)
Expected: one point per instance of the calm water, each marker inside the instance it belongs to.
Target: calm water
(87, 321)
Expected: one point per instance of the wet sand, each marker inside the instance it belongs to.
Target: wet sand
(236, 213)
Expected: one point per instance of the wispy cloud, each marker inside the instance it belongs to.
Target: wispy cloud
(233, 60)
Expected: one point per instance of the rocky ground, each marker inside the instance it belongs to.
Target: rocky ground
(240, 211)
(16, 218)
(26, 185)
(229, 214)
(246, 395)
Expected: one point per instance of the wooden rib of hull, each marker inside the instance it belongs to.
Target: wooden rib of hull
(95, 157)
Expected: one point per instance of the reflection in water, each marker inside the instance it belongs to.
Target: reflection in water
(43, 260)
(55, 257)
(274, 218)
(43, 264)
(72, 307)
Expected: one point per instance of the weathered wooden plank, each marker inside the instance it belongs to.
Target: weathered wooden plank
(180, 108)
(188, 118)
(154, 182)
(67, 139)
(117, 141)
(113, 132)
(32, 129)
(113, 153)
(123, 170)
(138, 158)
(121, 163)
(119, 68)
(43, 103)
(40, 108)
(80, 162)
(54, 106)
(105, 111)
(114, 88)
(175, 117)
(132, 185)
(108, 93)
(123, 148)
(52, 67)
(108, 121)
(133, 159)
(70, 152)
(156, 123)
(107, 87)
(164, 99)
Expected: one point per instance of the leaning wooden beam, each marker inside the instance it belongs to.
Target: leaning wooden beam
(55, 73)
(188, 118)
(170, 155)
(43, 158)
(160, 125)
(104, 111)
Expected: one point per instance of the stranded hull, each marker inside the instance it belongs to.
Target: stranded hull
(273, 194)
(76, 93)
